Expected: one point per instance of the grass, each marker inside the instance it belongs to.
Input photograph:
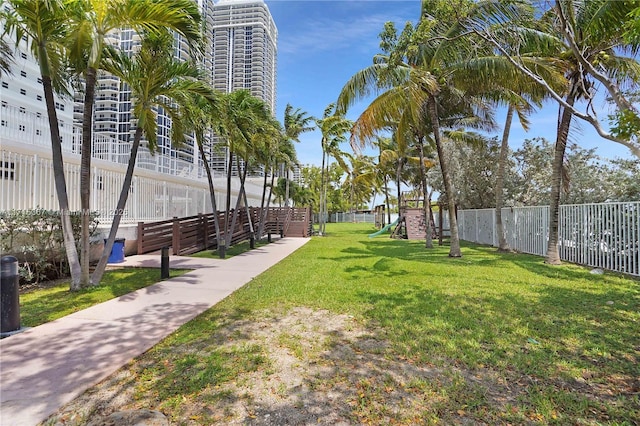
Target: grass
(47, 304)
(510, 339)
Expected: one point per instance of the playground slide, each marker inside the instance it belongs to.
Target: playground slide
(384, 229)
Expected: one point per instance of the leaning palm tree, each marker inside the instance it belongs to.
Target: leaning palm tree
(275, 149)
(91, 22)
(201, 113)
(157, 80)
(41, 22)
(411, 76)
(242, 118)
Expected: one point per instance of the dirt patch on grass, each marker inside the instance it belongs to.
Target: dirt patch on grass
(299, 367)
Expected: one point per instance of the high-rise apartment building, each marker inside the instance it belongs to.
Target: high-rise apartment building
(241, 54)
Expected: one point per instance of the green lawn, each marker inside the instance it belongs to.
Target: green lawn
(47, 304)
(508, 339)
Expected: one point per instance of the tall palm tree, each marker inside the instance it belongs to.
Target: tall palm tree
(91, 22)
(276, 149)
(588, 45)
(157, 80)
(201, 113)
(334, 127)
(599, 31)
(296, 122)
(41, 23)
(242, 119)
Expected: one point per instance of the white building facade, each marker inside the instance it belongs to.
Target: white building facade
(170, 183)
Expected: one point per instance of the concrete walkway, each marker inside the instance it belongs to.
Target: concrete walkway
(47, 366)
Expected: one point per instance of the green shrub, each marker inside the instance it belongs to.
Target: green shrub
(35, 238)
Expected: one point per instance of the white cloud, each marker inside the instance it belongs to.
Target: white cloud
(327, 34)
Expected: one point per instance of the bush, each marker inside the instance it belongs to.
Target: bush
(35, 238)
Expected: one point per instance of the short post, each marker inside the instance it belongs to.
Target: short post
(252, 242)
(269, 237)
(9, 294)
(222, 251)
(164, 263)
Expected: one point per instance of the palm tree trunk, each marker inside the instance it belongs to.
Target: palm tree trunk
(386, 198)
(234, 216)
(212, 195)
(85, 174)
(122, 202)
(243, 179)
(262, 206)
(454, 248)
(286, 192)
(58, 176)
(321, 218)
(503, 245)
(398, 182)
(426, 203)
(227, 222)
(553, 255)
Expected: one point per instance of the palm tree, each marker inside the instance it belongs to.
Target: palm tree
(295, 123)
(588, 41)
(41, 23)
(333, 127)
(6, 57)
(243, 118)
(200, 113)
(91, 23)
(157, 80)
(412, 80)
(600, 31)
(276, 149)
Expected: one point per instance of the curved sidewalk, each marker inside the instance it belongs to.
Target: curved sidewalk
(47, 366)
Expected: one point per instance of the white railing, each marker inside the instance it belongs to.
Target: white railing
(603, 236)
(26, 182)
(33, 129)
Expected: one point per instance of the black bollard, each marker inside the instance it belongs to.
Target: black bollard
(164, 263)
(222, 251)
(269, 237)
(252, 242)
(9, 294)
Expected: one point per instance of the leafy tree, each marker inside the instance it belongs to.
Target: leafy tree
(587, 178)
(6, 57)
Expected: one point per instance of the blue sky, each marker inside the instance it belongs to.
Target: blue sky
(321, 44)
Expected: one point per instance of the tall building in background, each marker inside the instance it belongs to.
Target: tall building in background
(241, 54)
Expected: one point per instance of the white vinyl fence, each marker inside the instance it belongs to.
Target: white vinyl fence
(26, 182)
(599, 235)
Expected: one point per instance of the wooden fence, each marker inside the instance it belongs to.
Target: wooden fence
(187, 235)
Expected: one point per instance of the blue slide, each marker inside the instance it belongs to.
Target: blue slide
(384, 229)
